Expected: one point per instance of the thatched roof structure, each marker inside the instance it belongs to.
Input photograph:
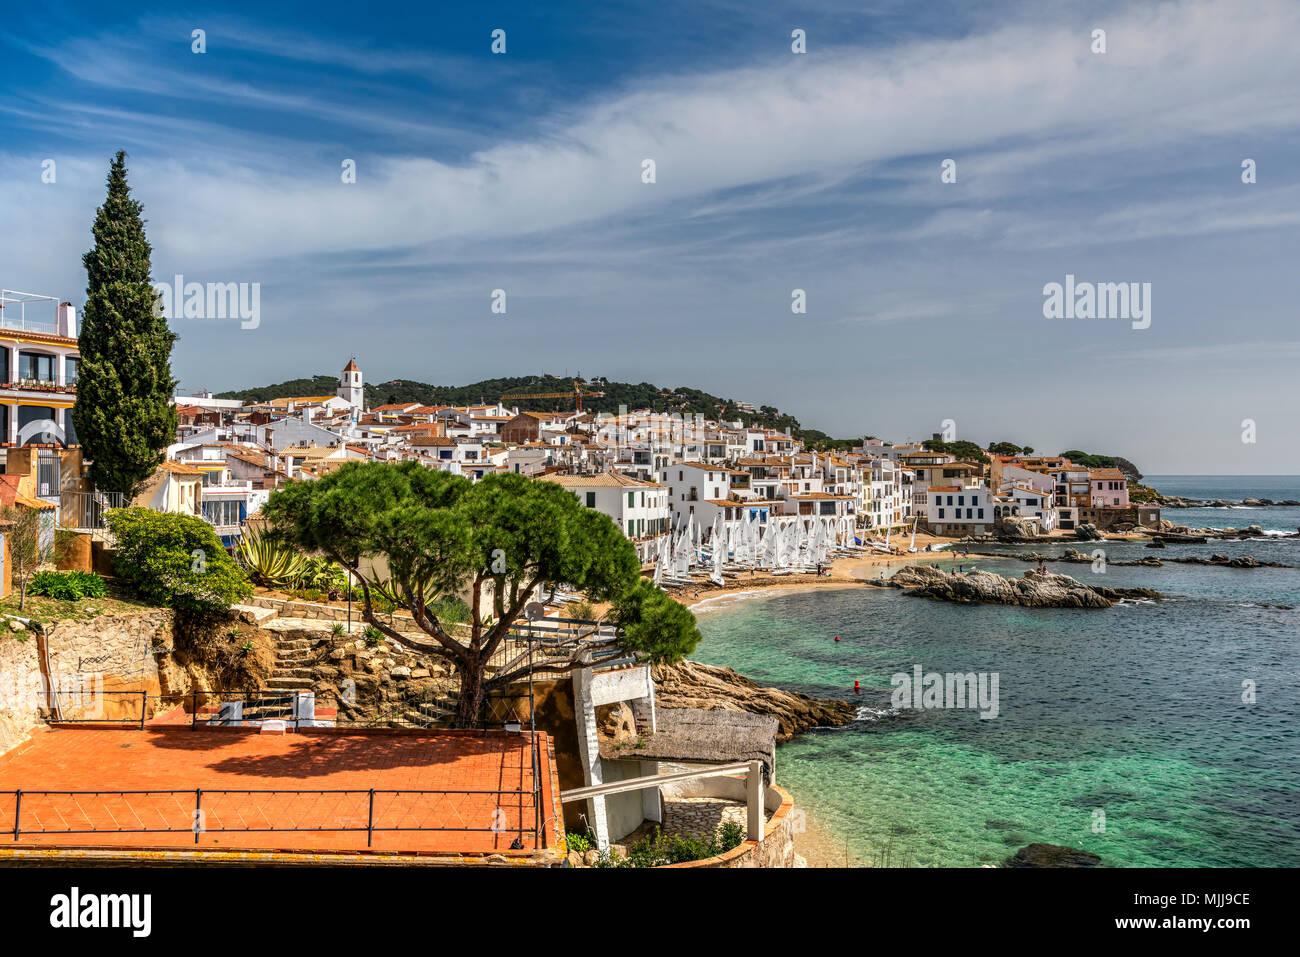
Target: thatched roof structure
(693, 735)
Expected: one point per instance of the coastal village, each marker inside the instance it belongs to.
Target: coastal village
(610, 759)
(650, 472)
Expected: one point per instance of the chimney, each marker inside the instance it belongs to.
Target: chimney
(66, 322)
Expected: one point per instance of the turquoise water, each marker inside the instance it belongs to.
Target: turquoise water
(1133, 711)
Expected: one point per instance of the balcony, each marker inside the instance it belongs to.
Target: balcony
(40, 385)
(28, 325)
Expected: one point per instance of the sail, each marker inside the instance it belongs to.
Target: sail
(718, 551)
(772, 547)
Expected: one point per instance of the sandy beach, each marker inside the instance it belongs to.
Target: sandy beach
(852, 570)
(843, 573)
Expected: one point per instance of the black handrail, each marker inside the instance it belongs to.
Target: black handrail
(523, 798)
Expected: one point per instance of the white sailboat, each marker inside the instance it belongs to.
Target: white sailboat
(719, 552)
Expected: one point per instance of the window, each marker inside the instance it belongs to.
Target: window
(981, 515)
(949, 499)
(591, 500)
(968, 515)
(71, 366)
(222, 513)
(631, 499)
(27, 414)
(36, 365)
(941, 513)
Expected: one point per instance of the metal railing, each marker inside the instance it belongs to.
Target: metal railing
(223, 810)
(87, 509)
(424, 710)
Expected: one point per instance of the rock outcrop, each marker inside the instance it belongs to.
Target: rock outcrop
(1241, 561)
(1052, 855)
(1015, 529)
(690, 684)
(1033, 590)
(1087, 532)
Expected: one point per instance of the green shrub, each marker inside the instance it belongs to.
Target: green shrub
(578, 842)
(730, 835)
(373, 636)
(324, 576)
(175, 560)
(656, 850)
(450, 611)
(580, 609)
(68, 586)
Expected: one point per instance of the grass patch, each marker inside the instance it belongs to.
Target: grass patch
(45, 609)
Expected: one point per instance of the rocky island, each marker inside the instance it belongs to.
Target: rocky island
(1033, 590)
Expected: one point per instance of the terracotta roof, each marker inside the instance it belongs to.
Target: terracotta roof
(603, 480)
(179, 468)
(351, 366)
(1106, 474)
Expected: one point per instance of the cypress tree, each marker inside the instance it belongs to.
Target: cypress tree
(123, 414)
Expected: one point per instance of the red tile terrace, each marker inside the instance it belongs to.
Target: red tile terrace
(426, 796)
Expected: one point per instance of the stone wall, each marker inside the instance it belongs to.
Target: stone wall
(777, 847)
(20, 682)
(112, 655)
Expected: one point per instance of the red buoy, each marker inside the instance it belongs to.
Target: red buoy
(837, 637)
(856, 689)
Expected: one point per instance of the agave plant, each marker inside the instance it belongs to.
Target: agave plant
(271, 563)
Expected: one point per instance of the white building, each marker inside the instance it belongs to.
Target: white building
(959, 510)
(639, 508)
(689, 484)
(351, 389)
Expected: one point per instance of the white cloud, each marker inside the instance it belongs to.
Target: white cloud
(1174, 73)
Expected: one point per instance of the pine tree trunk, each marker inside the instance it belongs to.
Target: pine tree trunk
(470, 704)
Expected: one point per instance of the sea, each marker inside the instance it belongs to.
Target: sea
(1154, 734)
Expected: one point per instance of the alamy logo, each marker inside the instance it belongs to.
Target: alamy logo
(1102, 300)
(953, 690)
(214, 300)
(75, 909)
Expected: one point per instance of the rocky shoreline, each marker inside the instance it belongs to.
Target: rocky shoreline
(1177, 501)
(1075, 557)
(1033, 590)
(690, 684)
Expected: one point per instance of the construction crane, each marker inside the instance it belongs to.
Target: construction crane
(576, 395)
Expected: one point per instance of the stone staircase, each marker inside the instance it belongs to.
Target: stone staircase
(298, 654)
(292, 665)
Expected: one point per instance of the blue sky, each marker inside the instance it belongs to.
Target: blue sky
(775, 171)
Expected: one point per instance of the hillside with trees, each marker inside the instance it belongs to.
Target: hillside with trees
(643, 395)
